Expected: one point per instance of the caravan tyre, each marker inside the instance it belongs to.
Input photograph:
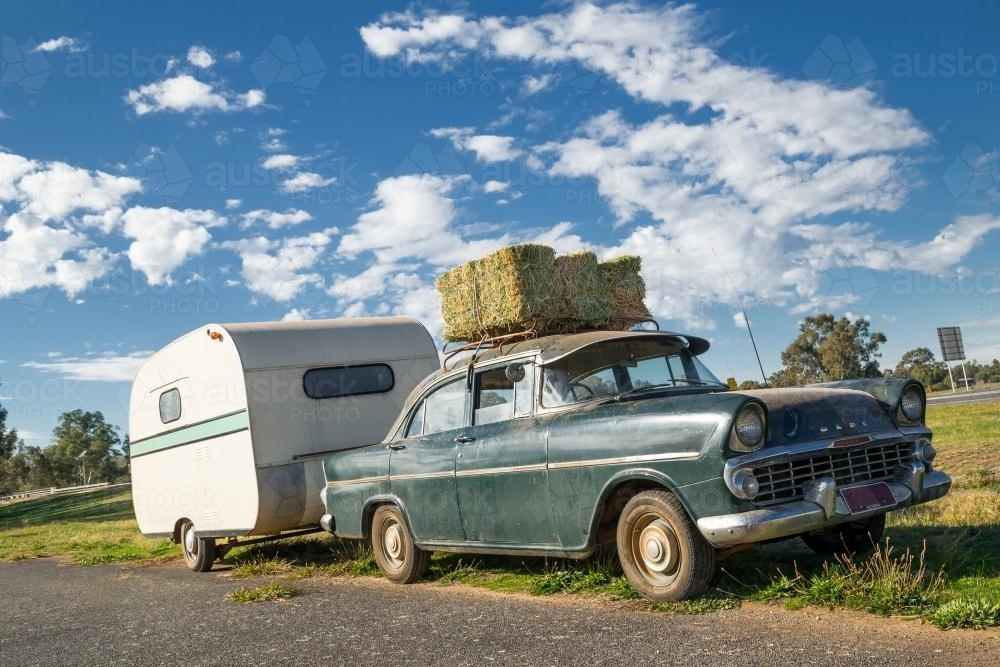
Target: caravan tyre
(400, 560)
(199, 552)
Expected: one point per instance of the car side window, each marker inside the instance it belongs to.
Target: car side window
(503, 394)
(444, 409)
(416, 427)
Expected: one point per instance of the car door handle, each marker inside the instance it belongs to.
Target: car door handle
(462, 439)
(396, 448)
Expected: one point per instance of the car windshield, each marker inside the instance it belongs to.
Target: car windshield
(622, 367)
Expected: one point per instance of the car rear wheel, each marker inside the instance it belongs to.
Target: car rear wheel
(855, 537)
(661, 551)
(199, 552)
(399, 558)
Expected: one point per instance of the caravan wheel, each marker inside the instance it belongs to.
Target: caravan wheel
(199, 552)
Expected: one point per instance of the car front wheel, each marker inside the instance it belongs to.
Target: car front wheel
(399, 558)
(853, 537)
(661, 551)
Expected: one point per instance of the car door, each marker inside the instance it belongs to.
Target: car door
(422, 463)
(500, 466)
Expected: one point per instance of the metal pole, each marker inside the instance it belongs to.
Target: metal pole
(952, 378)
(965, 376)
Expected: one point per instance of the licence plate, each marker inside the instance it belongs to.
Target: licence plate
(868, 497)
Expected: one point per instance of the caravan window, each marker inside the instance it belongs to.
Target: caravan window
(170, 406)
(348, 381)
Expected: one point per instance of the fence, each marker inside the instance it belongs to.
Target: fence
(53, 491)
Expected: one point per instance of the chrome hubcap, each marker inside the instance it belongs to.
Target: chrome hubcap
(656, 547)
(392, 541)
(190, 542)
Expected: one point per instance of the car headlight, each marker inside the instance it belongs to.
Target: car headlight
(912, 405)
(749, 428)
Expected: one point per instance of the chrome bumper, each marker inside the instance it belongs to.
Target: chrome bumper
(822, 507)
(327, 523)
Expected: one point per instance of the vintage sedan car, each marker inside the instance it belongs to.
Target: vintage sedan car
(557, 445)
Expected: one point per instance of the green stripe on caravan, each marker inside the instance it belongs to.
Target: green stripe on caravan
(186, 435)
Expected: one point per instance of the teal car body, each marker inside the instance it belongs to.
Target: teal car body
(544, 446)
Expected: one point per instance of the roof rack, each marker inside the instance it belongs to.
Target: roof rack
(488, 342)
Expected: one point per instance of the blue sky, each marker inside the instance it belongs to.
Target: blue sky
(165, 166)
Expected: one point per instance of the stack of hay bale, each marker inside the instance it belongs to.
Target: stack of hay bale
(526, 287)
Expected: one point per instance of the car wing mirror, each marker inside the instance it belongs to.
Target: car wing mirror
(515, 372)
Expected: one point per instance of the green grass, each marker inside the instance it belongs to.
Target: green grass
(88, 528)
(263, 593)
(941, 563)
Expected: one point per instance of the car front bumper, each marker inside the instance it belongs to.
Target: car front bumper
(823, 506)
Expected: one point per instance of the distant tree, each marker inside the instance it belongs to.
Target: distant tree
(8, 438)
(10, 477)
(828, 349)
(920, 364)
(85, 449)
(750, 384)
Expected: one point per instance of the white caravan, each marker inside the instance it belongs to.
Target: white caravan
(229, 423)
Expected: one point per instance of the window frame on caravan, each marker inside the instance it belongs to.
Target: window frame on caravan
(309, 388)
(180, 405)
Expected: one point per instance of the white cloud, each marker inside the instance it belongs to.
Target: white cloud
(200, 57)
(280, 269)
(68, 44)
(296, 315)
(274, 219)
(536, 84)
(282, 161)
(183, 92)
(233, 57)
(740, 173)
(57, 189)
(411, 233)
(306, 180)
(487, 147)
(495, 186)
(233, 203)
(165, 238)
(252, 98)
(35, 255)
(4, 115)
(98, 367)
(42, 244)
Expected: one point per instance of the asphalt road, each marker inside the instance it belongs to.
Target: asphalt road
(962, 396)
(54, 614)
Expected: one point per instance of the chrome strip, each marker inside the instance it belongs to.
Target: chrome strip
(360, 480)
(422, 475)
(499, 471)
(639, 458)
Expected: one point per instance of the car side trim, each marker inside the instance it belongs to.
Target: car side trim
(361, 480)
(476, 472)
(617, 460)
(422, 475)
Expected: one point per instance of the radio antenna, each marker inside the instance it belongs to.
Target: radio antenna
(746, 320)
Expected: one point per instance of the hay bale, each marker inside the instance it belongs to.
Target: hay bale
(501, 293)
(583, 300)
(527, 287)
(627, 290)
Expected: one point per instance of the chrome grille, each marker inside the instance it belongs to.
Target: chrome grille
(782, 480)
